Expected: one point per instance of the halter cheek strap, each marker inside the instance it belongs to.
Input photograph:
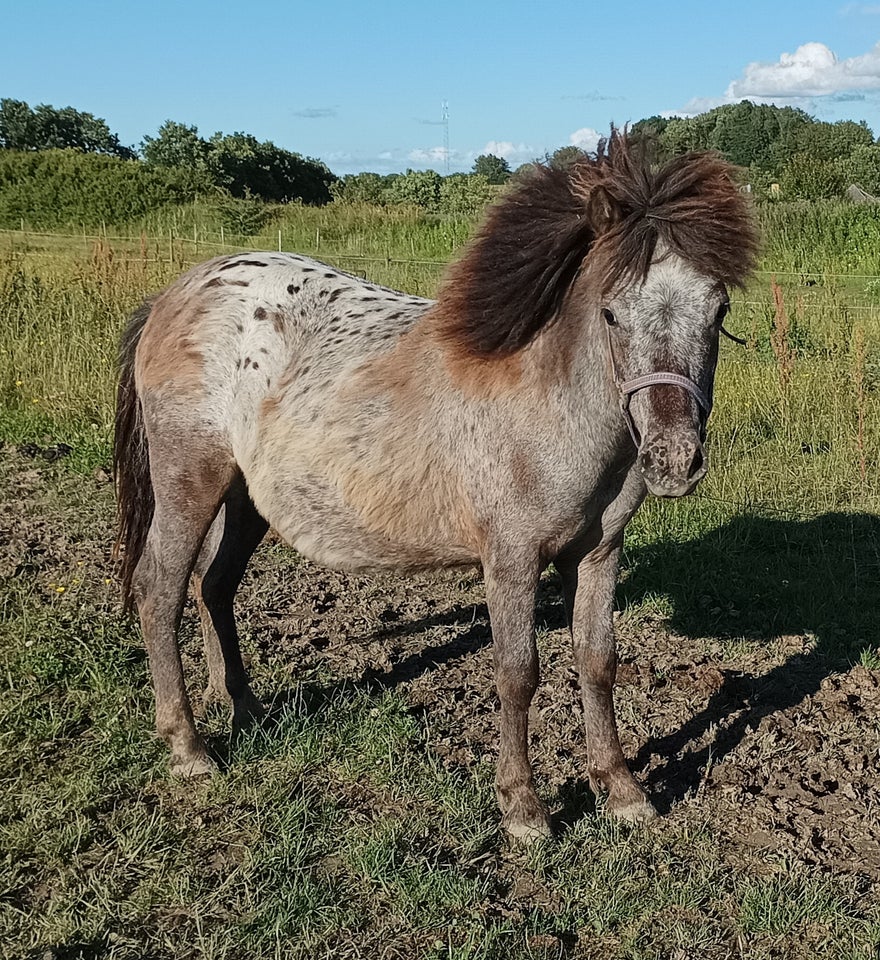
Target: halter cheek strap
(626, 388)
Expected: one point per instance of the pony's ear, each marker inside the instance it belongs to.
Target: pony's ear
(603, 212)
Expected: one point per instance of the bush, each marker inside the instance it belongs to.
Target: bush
(50, 188)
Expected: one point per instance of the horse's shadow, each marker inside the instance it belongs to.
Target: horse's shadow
(758, 579)
(752, 577)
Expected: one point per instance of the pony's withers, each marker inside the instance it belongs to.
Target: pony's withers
(375, 430)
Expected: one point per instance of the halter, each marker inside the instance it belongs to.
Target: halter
(626, 388)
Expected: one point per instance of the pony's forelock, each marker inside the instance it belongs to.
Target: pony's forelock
(515, 275)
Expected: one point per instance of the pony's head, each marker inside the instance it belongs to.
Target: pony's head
(638, 259)
(669, 243)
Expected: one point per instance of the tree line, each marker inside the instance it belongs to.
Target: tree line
(62, 165)
(805, 158)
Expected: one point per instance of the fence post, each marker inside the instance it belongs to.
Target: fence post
(279, 241)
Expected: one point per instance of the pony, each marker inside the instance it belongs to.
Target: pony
(565, 370)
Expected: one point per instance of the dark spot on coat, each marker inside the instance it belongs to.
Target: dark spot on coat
(334, 296)
(256, 365)
(239, 328)
(264, 350)
(329, 276)
(259, 314)
(243, 263)
(292, 288)
(247, 362)
(213, 282)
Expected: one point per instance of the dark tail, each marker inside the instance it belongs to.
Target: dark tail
(131, 461)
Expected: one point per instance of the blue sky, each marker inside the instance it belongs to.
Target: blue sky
(360, 85)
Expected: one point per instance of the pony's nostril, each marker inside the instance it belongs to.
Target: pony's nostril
(697, 463)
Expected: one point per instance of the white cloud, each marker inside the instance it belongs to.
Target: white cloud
(812, 71)
(513, 153)
(429, 155)
(586, 138)
(865, 9)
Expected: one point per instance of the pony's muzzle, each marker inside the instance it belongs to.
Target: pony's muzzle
(672, 467)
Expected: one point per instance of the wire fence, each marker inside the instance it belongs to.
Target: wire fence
(185, 250)
(175, 242)
(174, 247)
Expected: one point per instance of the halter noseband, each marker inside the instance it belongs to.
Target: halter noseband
(626, 388)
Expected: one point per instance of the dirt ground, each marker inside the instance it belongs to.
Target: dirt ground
(772, 745)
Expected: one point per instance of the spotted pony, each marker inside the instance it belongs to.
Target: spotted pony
(565, 370)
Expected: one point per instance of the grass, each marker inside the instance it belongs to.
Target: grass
(104, 856)
(336, 831)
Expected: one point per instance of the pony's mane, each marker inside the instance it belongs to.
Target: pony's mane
(611, 207)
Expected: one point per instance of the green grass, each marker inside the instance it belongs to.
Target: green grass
(332, 833)
(335, 831)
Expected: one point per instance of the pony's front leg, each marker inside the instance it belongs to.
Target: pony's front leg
(510, 593)
(588, 588)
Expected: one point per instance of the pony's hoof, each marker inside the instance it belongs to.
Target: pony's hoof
(247, 712)
(528, 824)
(215, 697)
(528, 833)
(631, 811)
(191, 767)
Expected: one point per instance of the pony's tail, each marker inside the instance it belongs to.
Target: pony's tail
(131, 462)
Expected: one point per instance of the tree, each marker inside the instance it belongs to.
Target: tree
(466, 193)
(175, 145)
(50, 128)
(360, 188)
(564, 157)
(805, 177)
(241, 164)
(862, 167)
(495, 169)
(419, 187)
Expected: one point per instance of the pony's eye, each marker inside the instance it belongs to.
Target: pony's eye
(609, 317)
(723, 310)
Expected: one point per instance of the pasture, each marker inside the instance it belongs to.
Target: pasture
(360, 821)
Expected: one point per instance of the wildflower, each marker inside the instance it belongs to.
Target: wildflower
(60, 589)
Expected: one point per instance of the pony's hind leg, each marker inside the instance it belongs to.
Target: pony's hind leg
(229, 545)
(188, 491)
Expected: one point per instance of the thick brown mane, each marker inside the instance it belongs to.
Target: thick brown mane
(614, 207)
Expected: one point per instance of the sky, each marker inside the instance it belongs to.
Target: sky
(361, 86)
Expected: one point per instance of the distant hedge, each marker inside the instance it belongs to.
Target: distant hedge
(51, 188)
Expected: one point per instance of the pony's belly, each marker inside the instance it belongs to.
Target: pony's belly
(313, 518)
